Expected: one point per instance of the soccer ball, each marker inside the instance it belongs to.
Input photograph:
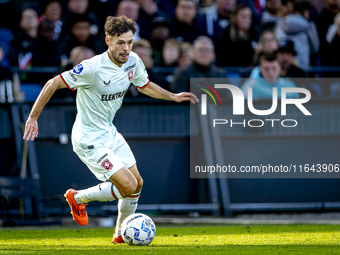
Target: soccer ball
(138, 229)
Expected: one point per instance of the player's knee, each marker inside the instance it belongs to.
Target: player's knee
(129, 188)
(140, 184)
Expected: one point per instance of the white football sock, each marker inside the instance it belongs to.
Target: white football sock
(105, 191)
(126, 206)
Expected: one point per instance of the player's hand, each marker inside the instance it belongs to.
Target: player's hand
(31, 129)
(186, 96)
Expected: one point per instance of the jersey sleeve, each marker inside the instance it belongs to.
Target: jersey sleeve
(81, 76)
(141, 77)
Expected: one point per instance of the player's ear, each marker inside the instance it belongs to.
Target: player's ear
(107, 40)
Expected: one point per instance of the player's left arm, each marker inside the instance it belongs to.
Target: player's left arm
(155, 91)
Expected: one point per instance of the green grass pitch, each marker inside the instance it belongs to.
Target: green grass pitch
(292, 239)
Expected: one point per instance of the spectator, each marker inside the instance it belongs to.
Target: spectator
(160, 31)
(81, 36)
(144, 51)
(170, 53)
(286, 56)
(257, 7)
(148, 10)
(290, 68)
(45, 52)
(319, 5)
(84, 53)
(52, 12)
(287, 7)
(327, 18)
(11, 93)
(170, 56)
(202, 66)
(80, 7)
(297, 28)
(130, 9)
(168, 7)
(330, 57)
(185, 57)
(268, 78)
(207, 6)
(332, 54)
(77, 55)
(236, 47)
(314, 13)
(218, 21)
(268, 43)
(103, 9)
(24, 41)
(332, 31)
(185, 26)
(271, 14)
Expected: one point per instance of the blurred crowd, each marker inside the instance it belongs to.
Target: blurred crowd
(189, 38)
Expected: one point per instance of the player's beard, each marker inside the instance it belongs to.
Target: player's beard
(116, 55)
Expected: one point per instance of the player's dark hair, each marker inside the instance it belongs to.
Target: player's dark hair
(117, 25)
(270, 57)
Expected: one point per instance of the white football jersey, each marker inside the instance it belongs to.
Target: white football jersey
(101, 86)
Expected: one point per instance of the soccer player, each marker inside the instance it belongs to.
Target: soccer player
(102, 82)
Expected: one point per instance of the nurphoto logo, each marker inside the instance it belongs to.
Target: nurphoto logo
(239, 102)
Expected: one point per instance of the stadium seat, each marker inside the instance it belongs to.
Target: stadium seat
(6, 36)
(235, 78)
(15, 190)
(31, 91)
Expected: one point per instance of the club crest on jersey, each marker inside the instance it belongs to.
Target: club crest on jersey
(78, 69)
(107, 164)
(130, 75)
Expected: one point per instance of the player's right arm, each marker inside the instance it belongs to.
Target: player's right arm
(31, 128)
